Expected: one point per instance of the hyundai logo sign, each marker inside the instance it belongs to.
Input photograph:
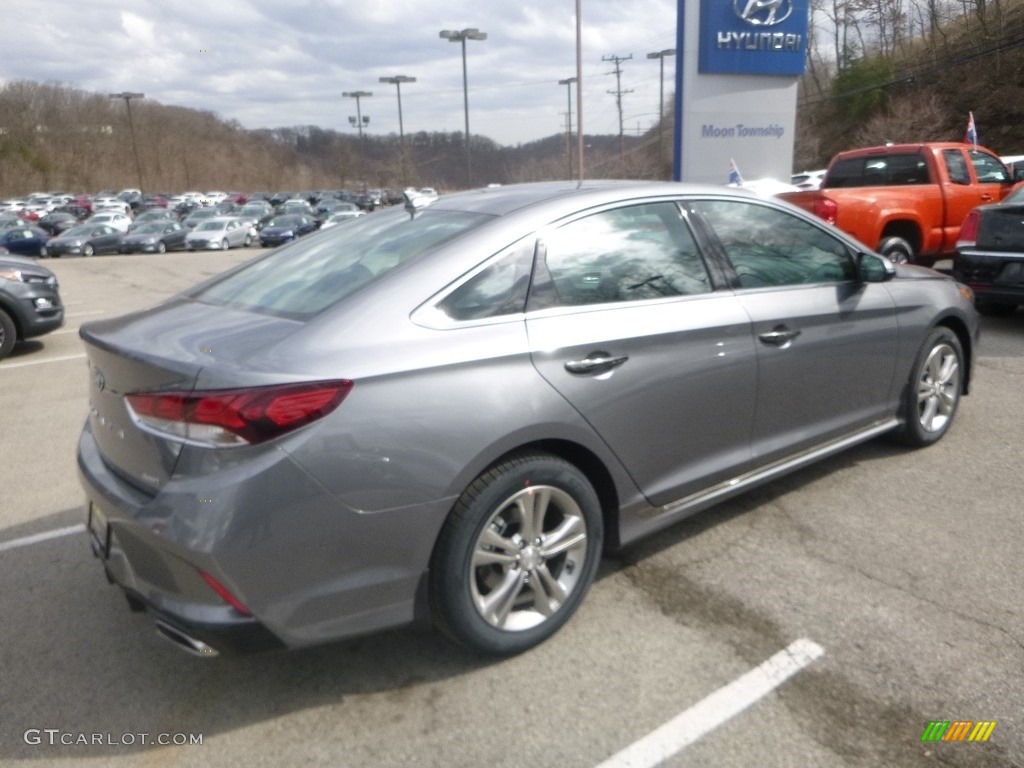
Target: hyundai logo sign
(753, 37)
(763, 13)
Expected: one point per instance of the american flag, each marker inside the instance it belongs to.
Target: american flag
(734, 174)
(971, 136)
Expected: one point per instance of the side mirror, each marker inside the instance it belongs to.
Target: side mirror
(872, 268)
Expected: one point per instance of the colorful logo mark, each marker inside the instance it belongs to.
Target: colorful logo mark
(958, 730)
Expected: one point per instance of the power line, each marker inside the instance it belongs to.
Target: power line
(617, 93)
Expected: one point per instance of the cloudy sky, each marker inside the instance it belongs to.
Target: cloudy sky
(273, 63)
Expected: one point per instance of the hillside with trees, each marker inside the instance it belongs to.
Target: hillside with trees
(878, 70)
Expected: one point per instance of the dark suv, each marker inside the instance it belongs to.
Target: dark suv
(30, 303)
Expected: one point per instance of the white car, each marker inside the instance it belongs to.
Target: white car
(341, 217)
(116, 219)
(220, 234)
(808, 179)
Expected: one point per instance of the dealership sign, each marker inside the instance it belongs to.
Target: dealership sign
(753, 37)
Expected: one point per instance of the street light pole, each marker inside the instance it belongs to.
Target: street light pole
(461, 36)
(357, 95)
(660, 55)
(568, 134)
(128, 96)
(397, 81)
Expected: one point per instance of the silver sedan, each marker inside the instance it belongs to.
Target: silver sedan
(454, 409)
(221, 233)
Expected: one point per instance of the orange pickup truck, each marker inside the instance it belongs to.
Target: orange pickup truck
(907, 201)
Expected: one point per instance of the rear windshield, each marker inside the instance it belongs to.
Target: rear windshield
(301, 280)
(878, 171)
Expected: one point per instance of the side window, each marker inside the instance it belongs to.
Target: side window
(956, 166)
(769, 247)
(499, 289)
(987, 168)
(626, 254)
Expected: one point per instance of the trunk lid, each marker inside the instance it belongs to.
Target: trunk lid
(161, 349)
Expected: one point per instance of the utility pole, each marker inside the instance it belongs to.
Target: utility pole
(128, 96)
(568, 126)
(617, 93)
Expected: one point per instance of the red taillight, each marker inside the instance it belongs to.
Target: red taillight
(826, 209)
(969, 231)
(229, 417)
(223, 593)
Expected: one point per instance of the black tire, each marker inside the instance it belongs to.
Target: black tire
(994, 309)
(161, 246)
(8, 334)
(897, 250)
(933, 392)
(488, 521)
(88, 250)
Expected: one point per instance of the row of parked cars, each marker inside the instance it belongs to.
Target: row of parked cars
(163, 224)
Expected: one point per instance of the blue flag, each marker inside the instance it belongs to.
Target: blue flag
(971, 136)
(735, 179)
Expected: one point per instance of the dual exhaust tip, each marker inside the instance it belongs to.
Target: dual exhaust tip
(185, 642)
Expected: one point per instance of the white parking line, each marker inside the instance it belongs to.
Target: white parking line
(83, 314)
(709, 713)
(44, 536)
(5, 366)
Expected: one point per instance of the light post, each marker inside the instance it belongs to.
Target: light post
(660, 55)
(357, 95)
(461, 36)
(397, 81)
(128, 96)
(568, 133)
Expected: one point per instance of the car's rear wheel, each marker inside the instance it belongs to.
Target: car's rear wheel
(933, 392)
(516, 555)
(8, 334)
(897, 250)
(88, 250)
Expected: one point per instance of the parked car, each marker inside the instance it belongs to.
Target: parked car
(84, 240)
(220, 234)
(341, 217)
(118, 221)
(155, 237)
(56, 222)
(30, 304)
(24, 240)
(147, 217)
(285, 228)
(990, 254)
(197, 216)
(458, 408)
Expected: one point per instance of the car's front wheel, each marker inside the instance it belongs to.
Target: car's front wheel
(516, 555)
(161, 246)
(933, 392)
(88, 250)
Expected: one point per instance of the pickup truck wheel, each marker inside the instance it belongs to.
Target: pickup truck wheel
(933, 391)
(897, 250)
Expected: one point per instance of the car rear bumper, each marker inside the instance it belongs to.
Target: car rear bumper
(995, 278)
(308, 568)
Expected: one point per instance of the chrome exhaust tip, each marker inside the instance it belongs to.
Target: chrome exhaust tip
(185, 642)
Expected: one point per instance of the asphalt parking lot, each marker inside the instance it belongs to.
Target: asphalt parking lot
(901, 568)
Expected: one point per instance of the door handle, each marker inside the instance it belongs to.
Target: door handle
(780, 336)
(599, 362)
